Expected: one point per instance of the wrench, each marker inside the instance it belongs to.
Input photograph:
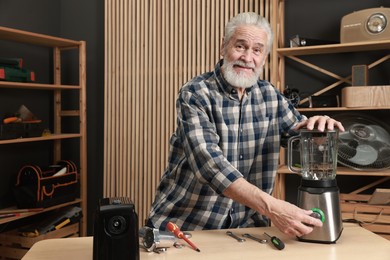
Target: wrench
(263, 241)
(239, 239)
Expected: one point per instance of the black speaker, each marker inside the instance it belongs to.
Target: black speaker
(115, 234)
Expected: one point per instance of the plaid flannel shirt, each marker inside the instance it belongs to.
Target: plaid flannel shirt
(218, 140)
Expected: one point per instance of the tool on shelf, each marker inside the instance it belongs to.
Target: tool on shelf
(276, 241)
(9, 215)
(239, 239)
(179, 234)
(54, 222)
(23, 115)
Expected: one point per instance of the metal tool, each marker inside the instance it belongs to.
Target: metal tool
(276, 241)
(154, 240)
(239, 239)
(262, 241)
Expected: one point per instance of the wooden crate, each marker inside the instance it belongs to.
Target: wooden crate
(376, 218)
(365, 96)
(15, 246)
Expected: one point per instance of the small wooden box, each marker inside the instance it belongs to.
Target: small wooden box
(365, 96)
(376, 218)
(15, 246)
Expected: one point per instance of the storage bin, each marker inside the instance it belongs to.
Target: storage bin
(36, 188)
(20, 130)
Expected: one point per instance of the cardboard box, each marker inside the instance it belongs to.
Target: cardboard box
(365, 96)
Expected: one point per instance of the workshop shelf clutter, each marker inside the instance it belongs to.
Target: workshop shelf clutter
(60, 81)
(37, 189)
(57, 223)
(15, 246)
(41, 190)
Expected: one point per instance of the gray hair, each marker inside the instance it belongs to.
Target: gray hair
(249, 18)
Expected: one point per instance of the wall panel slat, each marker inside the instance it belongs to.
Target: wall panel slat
(152, 47)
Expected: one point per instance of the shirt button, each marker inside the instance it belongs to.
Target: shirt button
(241, 130)
(241, 156)
(234, 91)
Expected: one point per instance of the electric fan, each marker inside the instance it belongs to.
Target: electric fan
(365, 144)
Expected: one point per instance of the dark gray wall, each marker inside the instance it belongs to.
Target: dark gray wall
(84, 20)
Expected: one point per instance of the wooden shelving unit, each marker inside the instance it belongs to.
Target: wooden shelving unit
(294, 53)
(352, 200)
(57, 45)
(336, 48)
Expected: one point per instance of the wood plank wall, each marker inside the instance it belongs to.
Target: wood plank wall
(152, 47)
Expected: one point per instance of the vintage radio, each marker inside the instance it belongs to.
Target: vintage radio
(366, 25)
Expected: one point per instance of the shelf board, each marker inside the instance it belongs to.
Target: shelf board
(28, 214)
(23, 85)
(343, 171)
(16, 35)
(41, 138)
(335, 48)
(70, 113)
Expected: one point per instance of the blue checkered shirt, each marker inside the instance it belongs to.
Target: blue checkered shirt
(218, 140)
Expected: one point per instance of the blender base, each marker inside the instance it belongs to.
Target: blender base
(323, 195)
(320, 241)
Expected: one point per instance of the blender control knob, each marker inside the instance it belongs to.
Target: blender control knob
(317, 213)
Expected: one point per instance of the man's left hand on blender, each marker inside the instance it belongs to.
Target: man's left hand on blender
(322, 122)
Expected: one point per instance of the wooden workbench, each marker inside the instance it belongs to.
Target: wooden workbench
(355, 243)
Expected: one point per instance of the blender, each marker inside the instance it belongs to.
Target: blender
(318, 190)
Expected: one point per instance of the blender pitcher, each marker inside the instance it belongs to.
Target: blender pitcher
(318, 154)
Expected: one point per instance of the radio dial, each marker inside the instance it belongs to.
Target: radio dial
(376, 23)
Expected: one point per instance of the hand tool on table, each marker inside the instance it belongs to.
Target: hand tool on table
(239, 239)
(262, 241)
(179, 234)
(276, 241)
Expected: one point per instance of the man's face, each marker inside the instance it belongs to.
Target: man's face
(244, 56)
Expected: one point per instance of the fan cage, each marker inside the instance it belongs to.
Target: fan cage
(358, 127)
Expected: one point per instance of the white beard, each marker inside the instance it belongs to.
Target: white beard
(236, 79)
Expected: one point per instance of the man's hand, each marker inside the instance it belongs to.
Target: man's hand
(287, 217)
(290, 219)
(322, 122)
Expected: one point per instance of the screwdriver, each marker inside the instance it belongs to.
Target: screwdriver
(276, 241)
(179, 234)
